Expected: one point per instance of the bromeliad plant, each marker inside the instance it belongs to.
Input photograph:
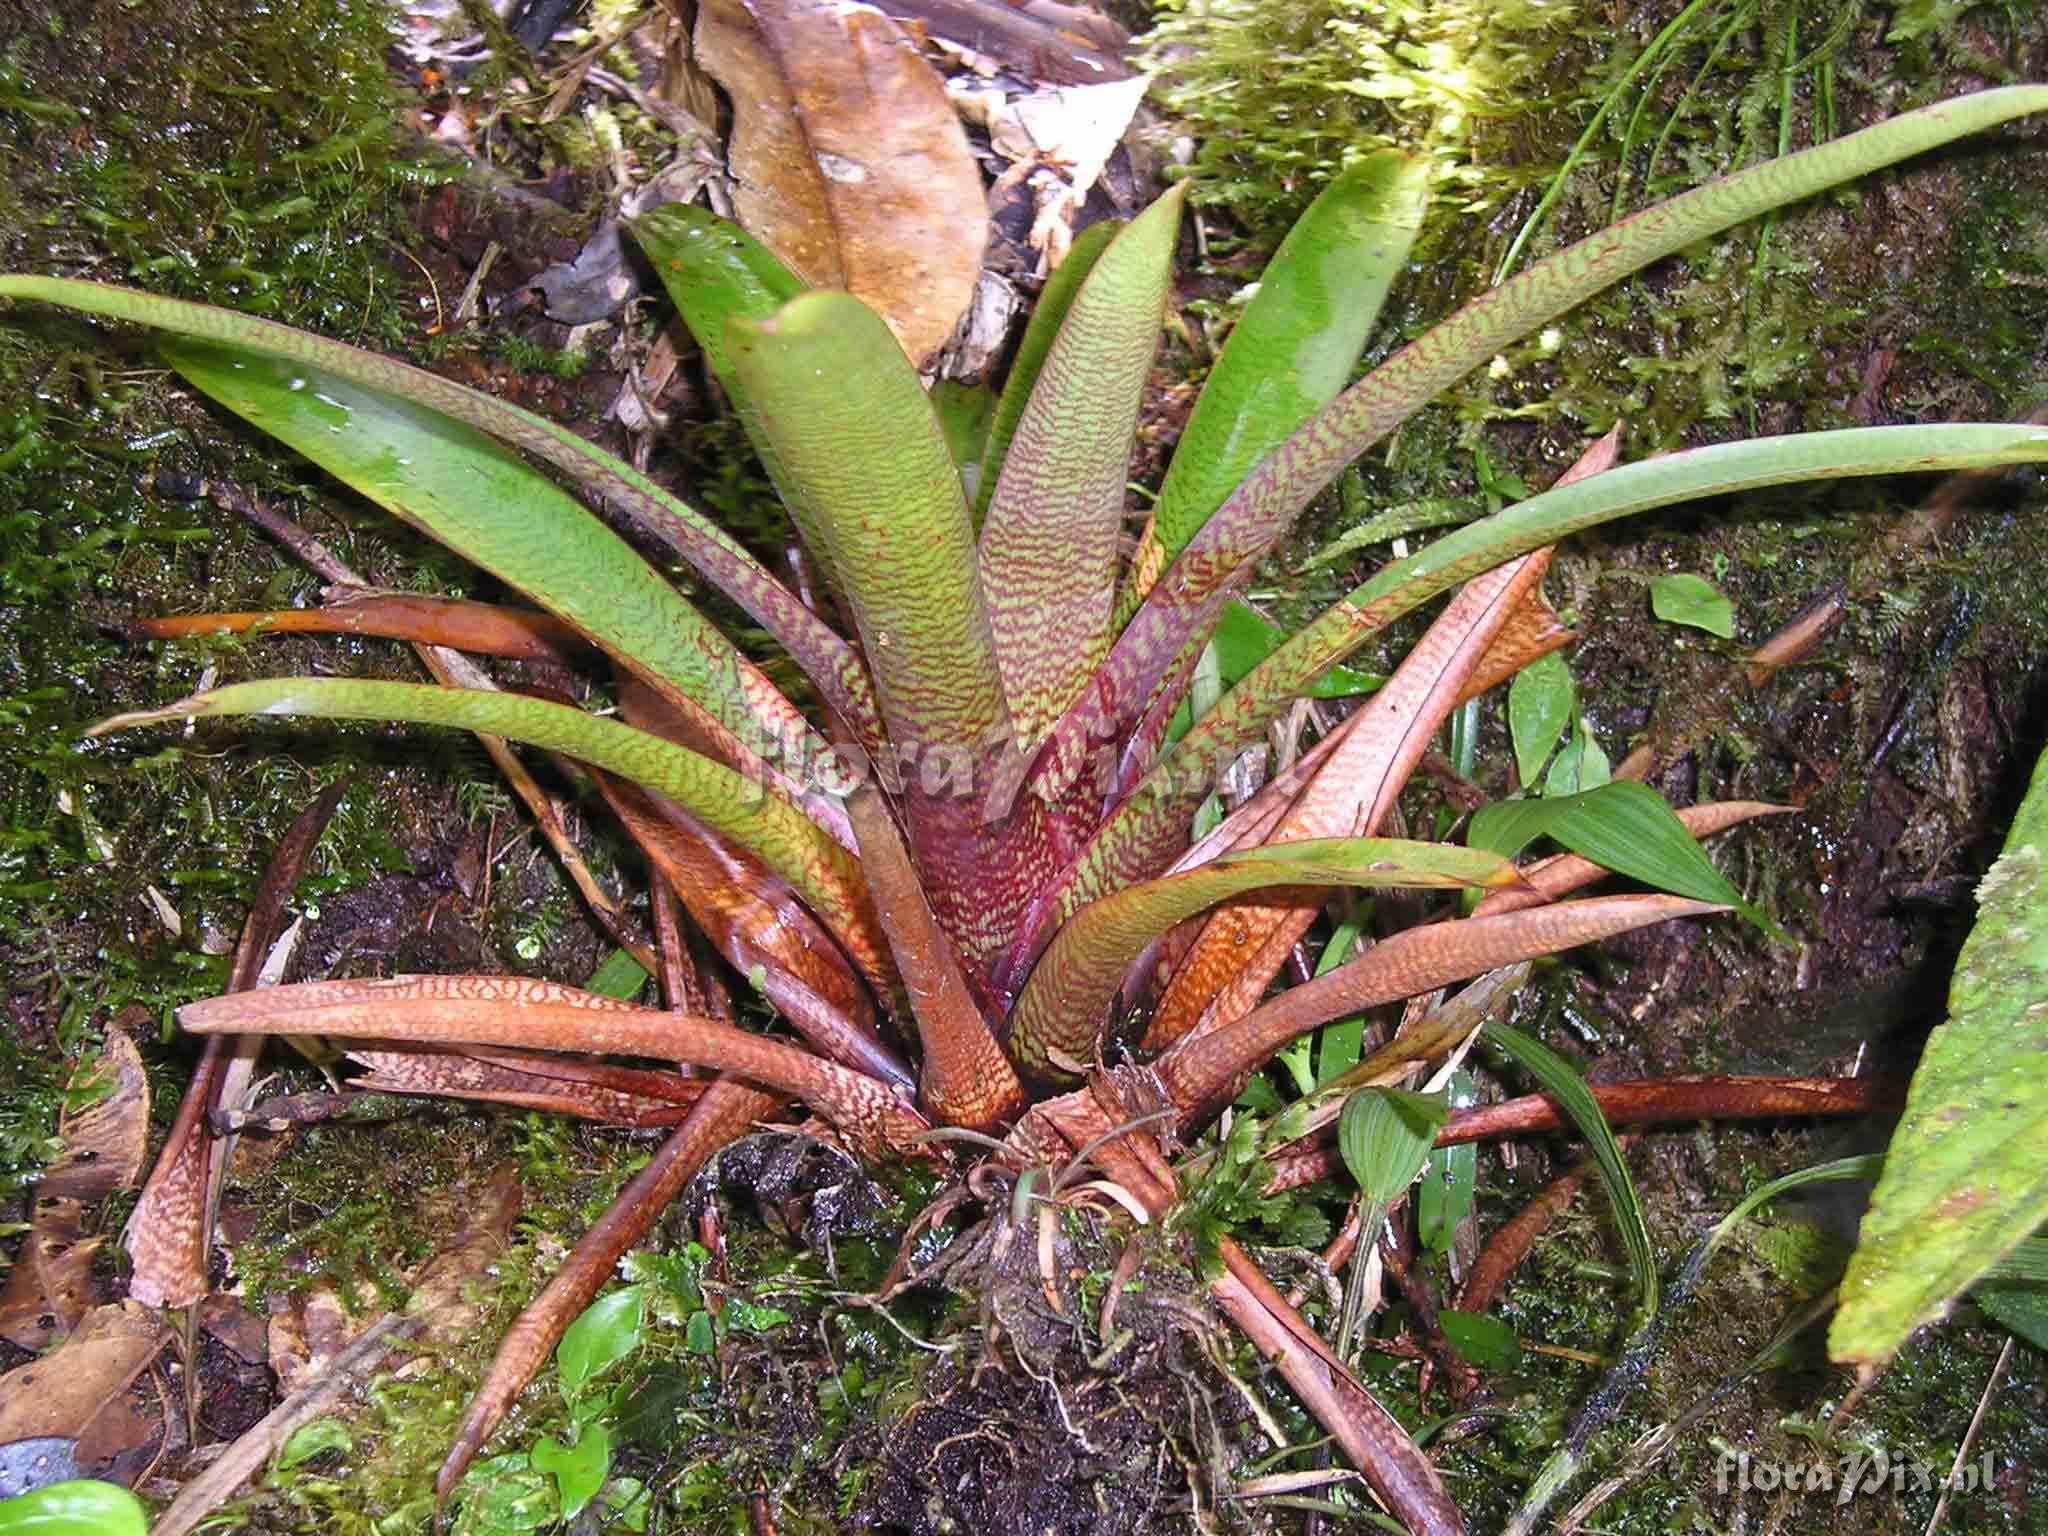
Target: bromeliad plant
(951, 876)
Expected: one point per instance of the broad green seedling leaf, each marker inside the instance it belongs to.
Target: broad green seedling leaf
(1683, 598)
(1625, 826)
(1481, 1338)
(80, 1507)
(1964, 1179)
(579, 1469)
(1385, 1136)
(607, 1332)
(1540, 704)
(1582, 765)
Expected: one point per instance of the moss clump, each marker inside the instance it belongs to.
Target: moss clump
(1280, 97)
(256, 169)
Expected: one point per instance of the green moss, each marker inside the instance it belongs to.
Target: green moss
(1281, 97)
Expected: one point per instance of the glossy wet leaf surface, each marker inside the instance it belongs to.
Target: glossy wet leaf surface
(1953, 1196)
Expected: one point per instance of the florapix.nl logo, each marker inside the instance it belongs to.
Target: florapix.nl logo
(1855, 1472)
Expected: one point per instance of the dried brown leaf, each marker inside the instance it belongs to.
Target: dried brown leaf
(849, 162)
(49, 1287)
(105, 1143)
(61, 1393)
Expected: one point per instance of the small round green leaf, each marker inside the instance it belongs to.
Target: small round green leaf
(607, 1332)
(1689, 599)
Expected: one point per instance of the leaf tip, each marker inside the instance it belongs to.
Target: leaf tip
(184, 709)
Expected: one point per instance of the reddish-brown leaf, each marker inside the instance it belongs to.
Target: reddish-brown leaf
(726, 1111)
(487, 629)
(560, 1085)
(1654, 1101)
(1200, 1073)
(517, 1011)
(1246, 943)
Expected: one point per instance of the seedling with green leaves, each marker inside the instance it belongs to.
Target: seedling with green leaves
(949, 877)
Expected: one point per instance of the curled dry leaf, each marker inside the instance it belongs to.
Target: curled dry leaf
(847, 158)
(49, 1287)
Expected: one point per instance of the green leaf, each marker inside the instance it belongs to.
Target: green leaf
(865, 464)
(1561, 1081)
(1048, 549)
(1581, 766)
(1687, 599)
(1964, 1179)
(1243, 639)
(964, 411)
(627, 1503)
(700, 1335)
(1154, 818)
(790, 844)
(713, 270)
(77, 1508)
(1047, 317)
(1339, 1042)
(1176, 615)
(1064, 1005)
(1299, 338)
(310, 1440)
(607, 1332)
(1622, 826)
(827, 658)
(505, 1495)
(1445, 1196)
(1540, 704)
(2018, 1306)
(463, 489)
(746, 1316)
(578, 1470)
(1385, 1136)
(1481, 1338)
(620, 976)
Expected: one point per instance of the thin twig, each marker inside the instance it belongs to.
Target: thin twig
(1970, 1435)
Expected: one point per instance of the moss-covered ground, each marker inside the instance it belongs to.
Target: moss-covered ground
(260, 153)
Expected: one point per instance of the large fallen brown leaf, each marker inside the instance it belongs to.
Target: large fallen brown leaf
(848, 161)
(64, 1392)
